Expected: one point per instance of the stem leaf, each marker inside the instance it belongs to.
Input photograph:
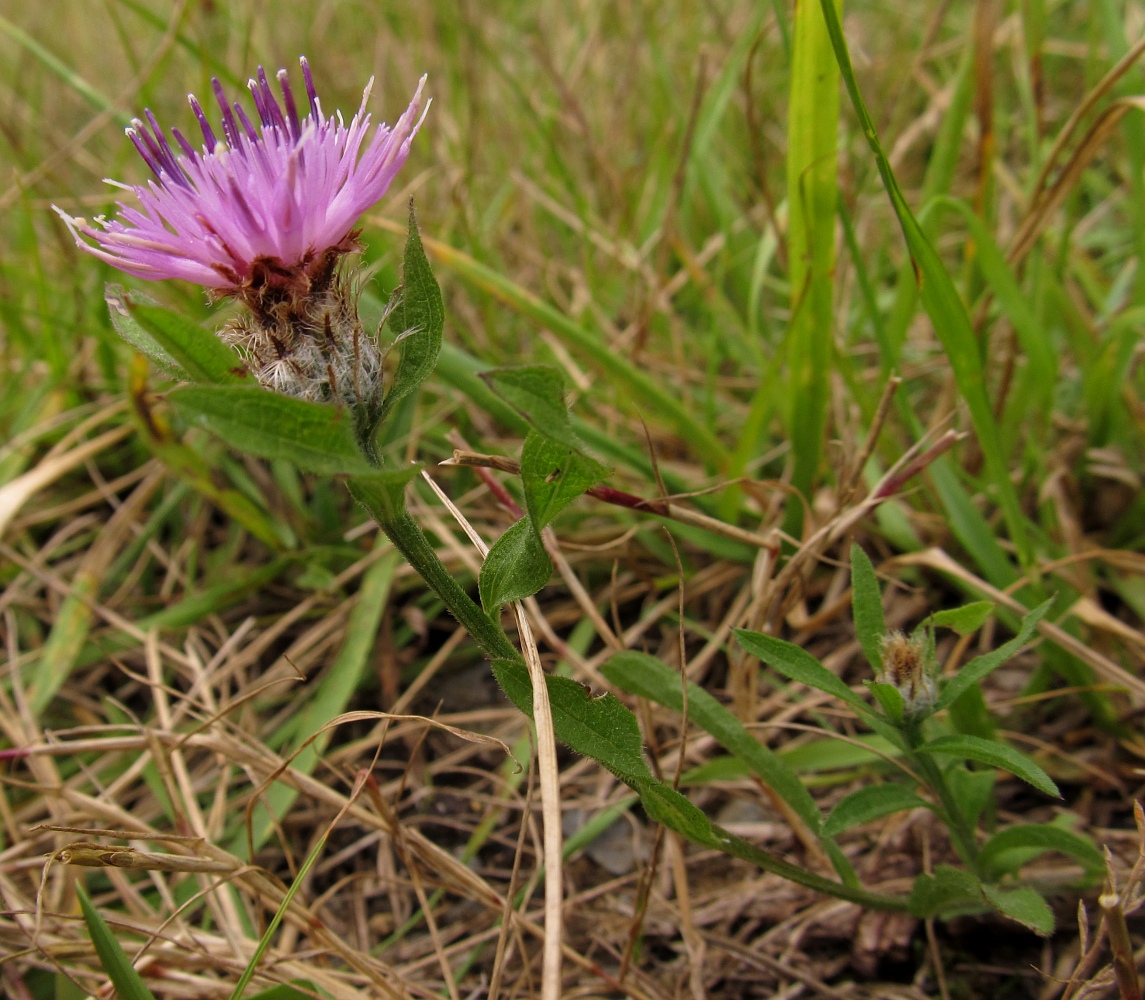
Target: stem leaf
(980, 666)
(516, 567)
(418, 317)
(317, 437)
(871, 803)
(867, 607)
(996, 755)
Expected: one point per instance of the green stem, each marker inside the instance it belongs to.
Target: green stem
(961, 832)
(410, 541)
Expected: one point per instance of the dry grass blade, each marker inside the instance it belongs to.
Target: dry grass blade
(548, 772)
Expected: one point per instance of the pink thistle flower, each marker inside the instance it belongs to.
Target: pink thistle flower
(263, 208)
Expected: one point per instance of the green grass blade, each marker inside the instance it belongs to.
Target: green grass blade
(128, 983)
(812, 135)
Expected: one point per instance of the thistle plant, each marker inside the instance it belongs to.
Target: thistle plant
(267, 215)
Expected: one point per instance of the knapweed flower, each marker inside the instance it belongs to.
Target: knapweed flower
(907, 667)
(265, 214)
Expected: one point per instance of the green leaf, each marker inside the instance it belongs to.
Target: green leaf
(516, 567)
(871, 803)
(118, 301)
(1025, 905)
(996, 755)
(198, 352)
(600, 728)
(417, 318)
(382, 493)
(965, 620)
(537, 393)
(867, 608)
(979, 667)
(128, 983)
(812, 196)
(890, 700)
(553, 475)
(971, 790)
(949, 892)
(317, 437)
(794, 662)
(1009, 849)
(648, 677)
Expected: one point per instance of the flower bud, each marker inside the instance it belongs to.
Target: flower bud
(907, 667)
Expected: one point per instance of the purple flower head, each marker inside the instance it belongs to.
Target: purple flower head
(272, 205)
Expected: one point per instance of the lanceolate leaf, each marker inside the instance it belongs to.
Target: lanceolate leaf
(417, 318)
(316, 437)
(996, 755)
(965, 620)
(794, 662)
(979, 667)
(872, 802)
(602, 728)
(516, 567)
(118, 300)
(644, 675)
(1008, 850)
(867, 607)
(196, 350)
(553, 475)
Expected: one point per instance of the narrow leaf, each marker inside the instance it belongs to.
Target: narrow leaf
(996, 755)
(417, 318)
(553, 475)
(1009, 849)
(871, 803)
(537, 393)
(648, 677)
(197, 351)
(965, 620)
(794, 662)
(979, 667)
(317, 437)
(867, 607)
(118, 300)
(128, 983)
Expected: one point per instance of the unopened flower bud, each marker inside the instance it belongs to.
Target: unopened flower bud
(906, 667)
